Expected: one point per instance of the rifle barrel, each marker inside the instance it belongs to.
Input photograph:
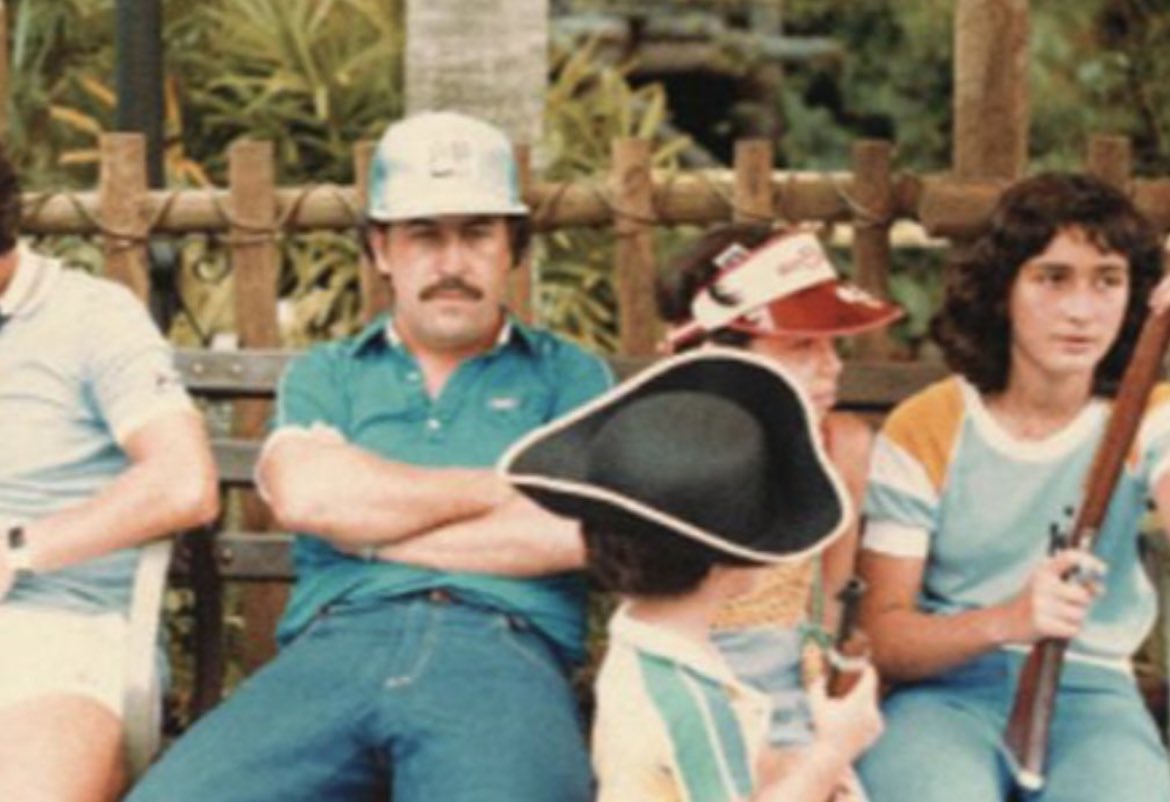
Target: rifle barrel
(1028, 728)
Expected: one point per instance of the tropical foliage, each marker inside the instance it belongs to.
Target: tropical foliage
(315, 76)
(589, 105)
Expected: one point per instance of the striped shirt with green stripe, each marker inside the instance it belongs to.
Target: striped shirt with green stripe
(673, 723)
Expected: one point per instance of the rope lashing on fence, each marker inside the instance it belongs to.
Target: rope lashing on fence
(863, 217)
(164, 203)
(734, 209)
(292, 206)
(117, 240)
(618, 213)
(243, 233)
(546, 211)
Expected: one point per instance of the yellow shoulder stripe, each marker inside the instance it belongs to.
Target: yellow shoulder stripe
(926, 426)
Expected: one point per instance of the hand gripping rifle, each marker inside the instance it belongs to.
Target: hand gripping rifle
(1026, 737)
(849, 654)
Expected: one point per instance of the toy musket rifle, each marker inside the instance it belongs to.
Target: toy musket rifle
(1027, 732)
(850, 652)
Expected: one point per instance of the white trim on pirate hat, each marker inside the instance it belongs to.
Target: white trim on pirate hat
(716, 445)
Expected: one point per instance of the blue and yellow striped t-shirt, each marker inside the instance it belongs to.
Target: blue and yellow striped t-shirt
(949, 485)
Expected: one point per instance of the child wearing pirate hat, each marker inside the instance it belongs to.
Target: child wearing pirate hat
(777, 294)
(686, 479)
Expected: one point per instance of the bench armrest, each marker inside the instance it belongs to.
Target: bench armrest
(142, 707)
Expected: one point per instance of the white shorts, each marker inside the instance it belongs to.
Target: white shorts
(46, 652)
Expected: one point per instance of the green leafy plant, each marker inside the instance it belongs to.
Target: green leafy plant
(589, 105)
(312, 76)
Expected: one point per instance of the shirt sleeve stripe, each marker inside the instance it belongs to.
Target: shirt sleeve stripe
(896, 468)
(706, 743)
(896, 540)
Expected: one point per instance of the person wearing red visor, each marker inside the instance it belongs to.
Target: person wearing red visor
(777, 294)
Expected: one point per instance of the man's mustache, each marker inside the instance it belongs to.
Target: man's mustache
(451, 285)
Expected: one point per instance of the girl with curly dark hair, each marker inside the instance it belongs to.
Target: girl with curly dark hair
(967, 481)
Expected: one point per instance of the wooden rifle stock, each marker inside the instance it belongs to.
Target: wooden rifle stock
(1028, 728)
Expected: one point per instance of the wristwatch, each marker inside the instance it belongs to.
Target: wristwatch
(18, 555)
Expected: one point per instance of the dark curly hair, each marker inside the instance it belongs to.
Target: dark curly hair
(9, 203)
(973, 328)
(644, 563)
(693, 268)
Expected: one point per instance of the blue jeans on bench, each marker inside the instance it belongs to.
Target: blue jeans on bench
(943, 739)
(417, 698)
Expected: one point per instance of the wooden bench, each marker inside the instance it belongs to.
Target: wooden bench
(208, 561)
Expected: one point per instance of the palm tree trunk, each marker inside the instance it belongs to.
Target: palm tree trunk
(488, 58)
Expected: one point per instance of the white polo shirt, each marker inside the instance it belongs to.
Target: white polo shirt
(82, 366)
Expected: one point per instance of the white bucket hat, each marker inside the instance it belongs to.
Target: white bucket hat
(440, 163)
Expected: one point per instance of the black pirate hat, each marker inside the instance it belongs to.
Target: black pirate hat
(715, 445)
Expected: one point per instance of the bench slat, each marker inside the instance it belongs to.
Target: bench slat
(234, 374)
(231, 374)
(865, 387)
(235, 460)
(879, 386)
(255, 555)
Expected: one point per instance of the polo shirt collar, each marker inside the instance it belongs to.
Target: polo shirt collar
(663, 643)
(34, 277)
(380, 332)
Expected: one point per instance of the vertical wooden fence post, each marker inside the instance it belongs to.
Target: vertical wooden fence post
(4, 88)
(121, 193)
(873, 198)
(1110, 158)
(991, 88)
(255, 271)
(374, 289)
(520, 299)
(633, 208)
(752, 195)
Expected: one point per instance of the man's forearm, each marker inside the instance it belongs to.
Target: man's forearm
(170, 485)
(516, 539)
(357, 499)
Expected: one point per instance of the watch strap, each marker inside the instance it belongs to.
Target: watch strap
(19, 558)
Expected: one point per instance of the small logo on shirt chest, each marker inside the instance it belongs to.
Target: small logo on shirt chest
(503, 403)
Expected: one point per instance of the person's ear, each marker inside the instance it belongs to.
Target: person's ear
(378, 238)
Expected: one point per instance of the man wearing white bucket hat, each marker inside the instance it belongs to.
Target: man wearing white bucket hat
(426, 641)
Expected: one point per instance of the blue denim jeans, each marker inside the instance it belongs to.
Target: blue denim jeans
(419, 698)
(943, 739)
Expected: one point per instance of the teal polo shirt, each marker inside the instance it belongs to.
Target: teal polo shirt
(370, 389)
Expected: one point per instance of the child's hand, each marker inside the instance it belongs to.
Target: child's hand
(847, 725)
(844, 727)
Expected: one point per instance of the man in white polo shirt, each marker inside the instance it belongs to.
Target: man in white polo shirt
(103, 451)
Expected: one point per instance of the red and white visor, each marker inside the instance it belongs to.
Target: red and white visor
(787, 286)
